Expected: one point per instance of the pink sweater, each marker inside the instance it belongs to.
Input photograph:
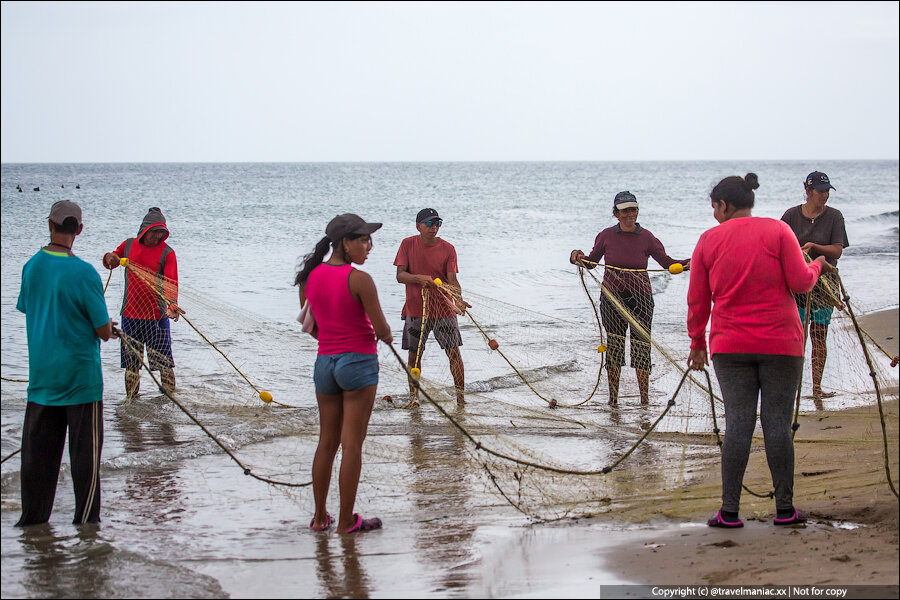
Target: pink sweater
(341, 318)
(747, 268)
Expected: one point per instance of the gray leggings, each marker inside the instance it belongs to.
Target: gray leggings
(744, 378)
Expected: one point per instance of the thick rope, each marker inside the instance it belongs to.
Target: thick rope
(636, 326)
(479, 446)
(10, 456)
(162, 297)
(862, 341)
(586, 262)
(551, 402)
(168, 394)
(806, 318)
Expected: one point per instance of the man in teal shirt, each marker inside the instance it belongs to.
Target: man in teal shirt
(65, 319)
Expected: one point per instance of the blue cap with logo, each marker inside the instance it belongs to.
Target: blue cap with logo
(818, 181)
(625, 200)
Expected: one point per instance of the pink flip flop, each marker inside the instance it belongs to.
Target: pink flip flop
(328, 522)
(363, 524)
(798, 518)
(717, 521)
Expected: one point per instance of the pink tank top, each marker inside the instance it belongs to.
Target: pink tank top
(342, 321)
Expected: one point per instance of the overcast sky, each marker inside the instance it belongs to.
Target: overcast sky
(160, 82)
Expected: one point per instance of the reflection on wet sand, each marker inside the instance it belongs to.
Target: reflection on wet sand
(80, 562)
(74, 566)
(341, 573)
(155, 484)
(442, 496)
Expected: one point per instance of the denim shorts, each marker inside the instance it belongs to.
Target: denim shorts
(348, 371)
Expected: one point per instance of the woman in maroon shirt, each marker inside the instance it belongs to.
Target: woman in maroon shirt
(626, 246)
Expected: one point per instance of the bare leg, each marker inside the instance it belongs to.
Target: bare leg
(818, 334)
(612, 376)
(643, 379)
(357, 410)
(132, 382)
(330, 417)
(459, 373)
(167, 376)
(414, 363)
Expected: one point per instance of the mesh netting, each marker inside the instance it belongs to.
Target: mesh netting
(533, 423)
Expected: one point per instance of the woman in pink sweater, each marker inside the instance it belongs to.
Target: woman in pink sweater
(348, 324)
(745, 270)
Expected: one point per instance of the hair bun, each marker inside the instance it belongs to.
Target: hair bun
(751, 181)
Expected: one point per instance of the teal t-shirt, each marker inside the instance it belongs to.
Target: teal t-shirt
(63, 302)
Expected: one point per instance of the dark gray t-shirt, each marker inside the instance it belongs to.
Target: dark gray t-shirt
(825, 230)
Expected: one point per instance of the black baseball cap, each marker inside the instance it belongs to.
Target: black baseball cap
(625, 200)
(818, 181)
(426, 214)
(343, 225)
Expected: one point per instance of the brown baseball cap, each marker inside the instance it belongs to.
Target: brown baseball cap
(62, 210)
(343, 225)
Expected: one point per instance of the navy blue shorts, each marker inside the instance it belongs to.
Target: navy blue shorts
(348, 371)
(152, 333)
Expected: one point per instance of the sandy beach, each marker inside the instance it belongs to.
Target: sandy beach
(840, 480)
(883, 327)
(852, 538)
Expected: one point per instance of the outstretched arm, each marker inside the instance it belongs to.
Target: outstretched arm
(658, 252)
(832, 251)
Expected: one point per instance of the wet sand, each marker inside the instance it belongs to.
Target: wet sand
(840, 481)
(852, 538)
(883, 327)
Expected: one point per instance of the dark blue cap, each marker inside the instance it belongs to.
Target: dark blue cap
(818, 181)
(426, 214)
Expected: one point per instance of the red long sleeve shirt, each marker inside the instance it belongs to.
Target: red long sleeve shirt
(746, 268)
(142, 301)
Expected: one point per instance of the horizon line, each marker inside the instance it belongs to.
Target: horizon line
(287, 162)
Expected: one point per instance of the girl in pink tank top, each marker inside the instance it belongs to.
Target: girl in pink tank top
(348, 323)
(341, 319)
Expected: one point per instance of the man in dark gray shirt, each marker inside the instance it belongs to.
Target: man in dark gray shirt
(821, 232)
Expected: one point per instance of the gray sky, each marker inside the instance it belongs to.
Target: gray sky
(125, 82)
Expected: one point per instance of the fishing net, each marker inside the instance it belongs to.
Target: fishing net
(532, 427)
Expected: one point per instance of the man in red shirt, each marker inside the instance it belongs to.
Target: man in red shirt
(420, 260)
(146, 309)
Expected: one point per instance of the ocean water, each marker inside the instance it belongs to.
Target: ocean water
(180, 519)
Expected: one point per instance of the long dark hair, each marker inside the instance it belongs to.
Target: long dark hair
(735, 191)
(315, 258)
(312, 260)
